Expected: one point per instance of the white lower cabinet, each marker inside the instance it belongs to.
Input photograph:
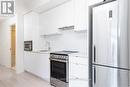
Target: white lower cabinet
(37, 64)
(78, 83)
(78, 72)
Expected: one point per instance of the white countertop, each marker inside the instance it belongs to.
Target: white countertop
(39, 52)
(84, 55)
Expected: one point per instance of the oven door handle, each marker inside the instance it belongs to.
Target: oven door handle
(65, 61)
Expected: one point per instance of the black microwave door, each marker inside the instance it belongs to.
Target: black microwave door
(28, 46)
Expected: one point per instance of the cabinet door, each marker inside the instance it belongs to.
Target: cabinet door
(31, 29)
(29, 62)
(79, 60)
(35, 31)
(44, 64)
(81, 8)
(81, 15)
(28, 29)
(78, 83)
(56, 18)
(65, 14)
(79, 71)
(77, 64)
(48, 23)
(37, 64)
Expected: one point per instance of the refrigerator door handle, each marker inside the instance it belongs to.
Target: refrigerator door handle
(94, 75)
(94, 53)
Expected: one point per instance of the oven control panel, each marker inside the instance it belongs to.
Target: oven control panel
(59, 57)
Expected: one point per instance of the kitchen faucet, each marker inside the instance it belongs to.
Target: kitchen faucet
(48, 45)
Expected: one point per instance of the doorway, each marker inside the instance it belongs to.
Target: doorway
(13, 47)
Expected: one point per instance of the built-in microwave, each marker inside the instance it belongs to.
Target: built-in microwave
(28, 45)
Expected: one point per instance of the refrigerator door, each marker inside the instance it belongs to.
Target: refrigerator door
(105, 34)
(109, 77)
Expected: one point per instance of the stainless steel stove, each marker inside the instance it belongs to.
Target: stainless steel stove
(60, 68)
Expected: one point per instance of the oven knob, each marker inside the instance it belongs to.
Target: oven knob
(54, 56)
(57, 56)
(51, 56)
(62, 57)
(66, 57)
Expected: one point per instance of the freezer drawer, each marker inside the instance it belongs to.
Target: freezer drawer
(110, 77)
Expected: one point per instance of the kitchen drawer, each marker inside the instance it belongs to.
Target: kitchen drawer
(78, 83)
(79, 60)
(79, 71)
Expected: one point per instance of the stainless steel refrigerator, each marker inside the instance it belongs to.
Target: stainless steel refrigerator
(110, 62)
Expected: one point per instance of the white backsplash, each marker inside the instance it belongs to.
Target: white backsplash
(68, 40)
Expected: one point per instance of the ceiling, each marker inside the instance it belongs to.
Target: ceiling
(3, 18)
(25, 5)
(49, 5)
(35, 5)
(32, 4)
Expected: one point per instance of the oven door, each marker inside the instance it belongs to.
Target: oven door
(59, 70)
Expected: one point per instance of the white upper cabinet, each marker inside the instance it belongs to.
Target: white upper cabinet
(31, 25)
(28, 27)
(71, 13)
(80, 15)
(48, 23)
(31, 29)
(66, 14)
(58, 17)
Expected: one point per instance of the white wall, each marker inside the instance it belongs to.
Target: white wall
(19, 43)
(5, 42)
(5, 56)
(69, 40)
(5, 31)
